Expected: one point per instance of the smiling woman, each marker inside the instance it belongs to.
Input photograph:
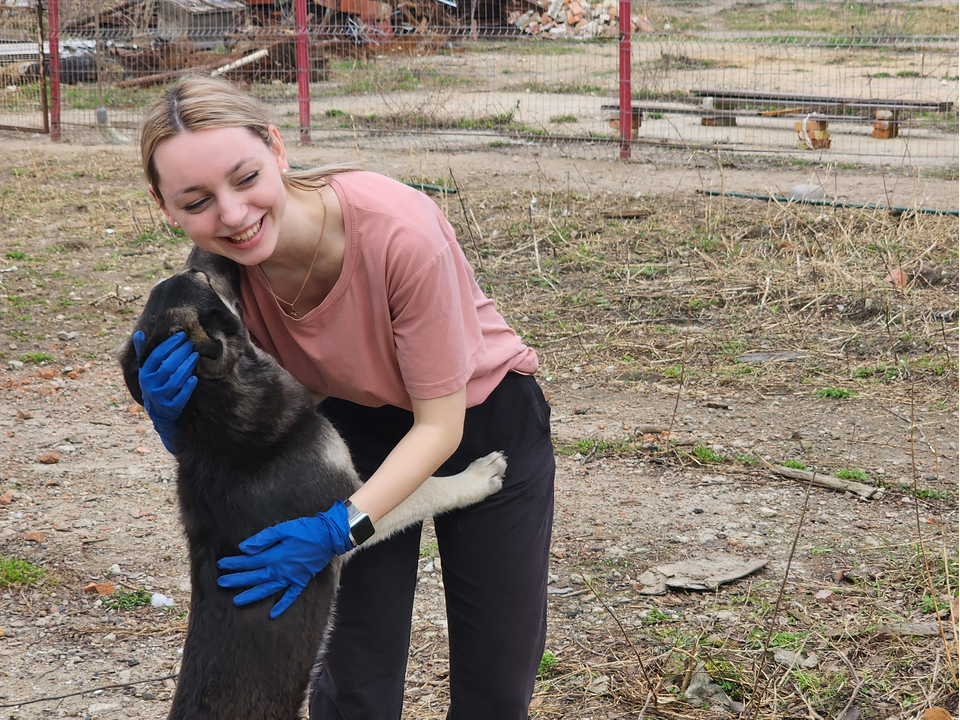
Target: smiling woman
(226, 206)
(357, 285)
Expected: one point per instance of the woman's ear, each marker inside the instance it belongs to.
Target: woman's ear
(159, 202)
(277, 146)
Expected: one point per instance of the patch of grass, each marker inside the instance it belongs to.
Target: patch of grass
(850, 474)
(882, 372)
(574, 88)
(567, 118)
(706, 454)
(929, 605)
(927, 494)
(14, 571)
(793, 464)
(548, 665)
(655, 615)
(17, 255)
(371, 77)
(844, 21)
(673, 372)
(728, 676)
(683, 62)
(782, 638)
(161, 234)
(127, 600)
(586, 446)
(37, 357)
(333, 112)
(835, 393)
(648, 271)
(530, 46)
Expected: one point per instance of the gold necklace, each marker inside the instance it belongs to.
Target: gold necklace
(293, 310)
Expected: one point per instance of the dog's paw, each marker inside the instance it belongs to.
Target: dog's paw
(489, 469)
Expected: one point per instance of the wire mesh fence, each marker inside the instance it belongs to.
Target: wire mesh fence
(830, 81)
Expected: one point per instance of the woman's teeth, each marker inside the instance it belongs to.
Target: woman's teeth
(248, 234)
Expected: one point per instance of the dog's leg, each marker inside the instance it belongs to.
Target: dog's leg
(483, 477)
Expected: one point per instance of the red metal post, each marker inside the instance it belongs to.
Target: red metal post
(53, 39)
(626, 101)
(303, 70)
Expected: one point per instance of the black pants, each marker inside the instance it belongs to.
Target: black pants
(494, 568)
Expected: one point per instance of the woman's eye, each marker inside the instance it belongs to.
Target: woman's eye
(192, 207)
(249, 178)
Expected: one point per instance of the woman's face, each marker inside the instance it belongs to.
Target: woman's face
(224, 187)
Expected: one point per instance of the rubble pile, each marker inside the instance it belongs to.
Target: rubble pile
(257, 42)
(575, 18)
(422, 16)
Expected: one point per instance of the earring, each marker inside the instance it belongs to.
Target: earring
(176, 224)
(283, 170)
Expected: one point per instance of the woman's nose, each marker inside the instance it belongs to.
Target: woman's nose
(233, 210)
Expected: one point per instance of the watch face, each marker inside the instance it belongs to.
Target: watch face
(361, 529)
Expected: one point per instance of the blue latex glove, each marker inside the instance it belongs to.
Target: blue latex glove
(166, 381)
(286, 557)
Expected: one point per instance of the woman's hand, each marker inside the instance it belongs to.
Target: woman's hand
(286, 557)
(166, 382)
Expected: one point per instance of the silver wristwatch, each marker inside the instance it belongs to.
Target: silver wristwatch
(361, 526)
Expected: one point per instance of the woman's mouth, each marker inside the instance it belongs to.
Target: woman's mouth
(244, 236)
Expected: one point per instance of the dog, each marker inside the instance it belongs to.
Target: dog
(253, 452)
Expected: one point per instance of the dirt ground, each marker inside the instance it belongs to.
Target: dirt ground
(666, 451)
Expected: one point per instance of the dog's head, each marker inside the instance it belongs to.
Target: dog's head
(202, 300)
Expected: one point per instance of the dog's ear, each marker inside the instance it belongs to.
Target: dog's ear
(127, 356)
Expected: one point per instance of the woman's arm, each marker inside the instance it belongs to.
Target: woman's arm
(284, 557)
(435, 435)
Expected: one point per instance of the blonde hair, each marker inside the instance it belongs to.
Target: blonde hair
(199, 102)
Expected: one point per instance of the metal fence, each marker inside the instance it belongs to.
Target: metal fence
(832, 81)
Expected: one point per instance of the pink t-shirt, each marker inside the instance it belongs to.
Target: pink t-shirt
(405, 318)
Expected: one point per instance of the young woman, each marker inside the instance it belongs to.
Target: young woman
(355, 283)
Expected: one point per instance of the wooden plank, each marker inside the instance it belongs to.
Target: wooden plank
(867, 492)
(792, 112)
(799, 99)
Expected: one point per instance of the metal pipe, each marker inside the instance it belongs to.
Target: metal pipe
(831, 203)
(53, 40)
(303, 70)
(626, 101)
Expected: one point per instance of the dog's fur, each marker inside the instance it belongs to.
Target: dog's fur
(253, 452)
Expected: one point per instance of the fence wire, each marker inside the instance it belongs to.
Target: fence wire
(857, 82)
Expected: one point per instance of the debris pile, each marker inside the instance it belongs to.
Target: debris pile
(575, 18)
(255, 42)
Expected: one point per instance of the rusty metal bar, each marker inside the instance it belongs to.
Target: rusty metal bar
(53, 39)
(303, 70)
(626, 111)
